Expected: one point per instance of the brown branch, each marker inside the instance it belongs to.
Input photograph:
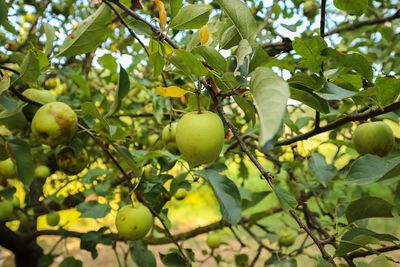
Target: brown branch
(341, 121)
(362, 254)
(267, 17)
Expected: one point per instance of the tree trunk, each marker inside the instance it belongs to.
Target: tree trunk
(28, 255)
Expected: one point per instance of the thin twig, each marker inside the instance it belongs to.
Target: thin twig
(267, 17)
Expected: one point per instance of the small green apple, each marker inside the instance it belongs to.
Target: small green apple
(310, 8)
(200, 137)
(51, 83)
(69, 162)
(40, 96)
(4, 132)
(6, 209)
(373, 138)
(149, 171)
(213, 240)
(155, 142)
(133, 222)
(7, 169)
(286, 238)
(169, 138)
(42, 172)
(180, 194)
(54, 124)
(53, 219)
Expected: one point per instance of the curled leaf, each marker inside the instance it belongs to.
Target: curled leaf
(204, 35)
(171, 91)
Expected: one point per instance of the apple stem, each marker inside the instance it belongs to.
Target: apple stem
(198, 97)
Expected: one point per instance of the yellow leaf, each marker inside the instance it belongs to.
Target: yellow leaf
(171, 91)
(204, 34)
(162, 13)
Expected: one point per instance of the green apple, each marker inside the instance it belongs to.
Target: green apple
(7, 169)
(200, 137)
(40, 96)
(286, 238)
(42, 172)
(16, 202)
(213, 240)
(180, 194)
(133, 222)
(4, 132)
(69, 162)
(149, 171)
(54, 124)
(53, 219)
(51, 83)
(373, 138)
(155, 142)
(6, 209)
(169, 138)
(310, 8)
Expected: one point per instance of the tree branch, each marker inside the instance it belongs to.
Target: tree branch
(362, 254)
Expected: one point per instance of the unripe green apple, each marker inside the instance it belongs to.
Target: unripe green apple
(213, 240)
(6, 209)
(149, 171)
(169, 138)
(51, 83)
(7, 169)
(155, 142)
(286, 238)
(54, 124)
(200, 137)
(373, 138)
(180, 194)
(133, 222)
(4, 132)
(70, 163)
(310, 8)
(40, 96)
(42, 172)
(53, 219)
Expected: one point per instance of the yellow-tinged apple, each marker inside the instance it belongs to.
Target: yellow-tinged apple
(69, 162)
(53, 219)
(169, 138)
(7, 169)
(42, 172)
(213, 240)
(54, 124)
(286, 238)
(6, 209)
(180, 194)
(155, 142)
(310, 8)
(200, 137)
(133, 222)
(40, 96)
(373, 138)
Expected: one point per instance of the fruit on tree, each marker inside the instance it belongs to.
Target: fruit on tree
(42, 172)
(373, 138)
(4, 132)
(180, 194)
(6, 209)
(310, 8)
(155, 142)
(169, 138)
(40, 96)
(286, 238)
(12, 46)
(213, 240)
(53, 219)
(54, 124)
(7, 169)
(70, 161)
(51, 83)
(133, 222)
(16, 202)
(149, 171)
(200, 136)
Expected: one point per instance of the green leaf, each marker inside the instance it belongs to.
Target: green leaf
(229, 38)
(156, 58)
(70, 262)
(359, 237)
(368, 207)
(21, 152)
(122, 91)
(78, 80)
(89, 34)
(321, 170)
(227, 194)
(353, 7)
(333, 92)
(243, 53)
(141, 255)
(90, 108)
(367, 169)
(287, 200)
(175, 7)
(270, 93)
(310, 49)
(242, 260)
(173, 259)
(124, 153)
(241, 18)
(188, 63)
(259, 58)
(253, 198)
(212, 57)
(310, 99)
(93, 209)
(30, 69)
(3, 12)
(90, 240)
(49, 31)
(191, 17)
(380, 261)
(386, 90)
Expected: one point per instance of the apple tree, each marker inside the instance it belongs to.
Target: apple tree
(287, 110)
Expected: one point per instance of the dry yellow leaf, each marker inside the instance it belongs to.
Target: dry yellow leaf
(204, 34)
(171, 91)
(162, 13)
